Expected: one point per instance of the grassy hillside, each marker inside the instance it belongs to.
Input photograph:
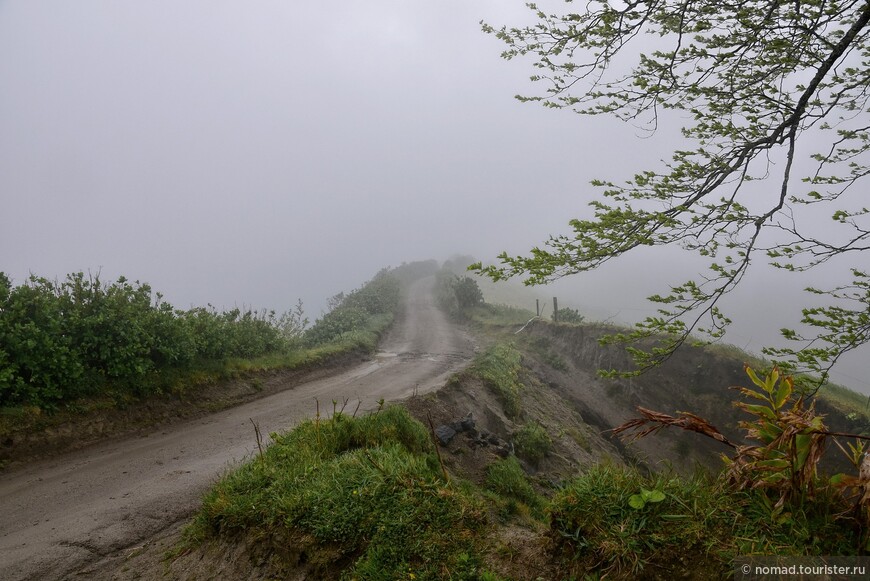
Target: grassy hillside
(534, 490)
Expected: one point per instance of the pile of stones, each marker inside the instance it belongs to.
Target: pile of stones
(478, 439)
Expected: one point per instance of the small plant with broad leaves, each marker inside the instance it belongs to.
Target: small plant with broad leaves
(644, 497)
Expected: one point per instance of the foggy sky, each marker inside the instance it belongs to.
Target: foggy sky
(253, 153)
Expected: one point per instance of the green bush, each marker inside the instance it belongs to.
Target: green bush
(42, 361)
(378, 296)
(532, 442)
(456, 295)
(355, 312)
(568, 315)
(468, 293)
(108, 324)
(334, 324)
(173, 342)
(59, 341)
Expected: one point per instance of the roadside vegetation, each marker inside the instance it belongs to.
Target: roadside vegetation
(60, 341)
(532, 442)
(499, 368)
(86, 352)
(460, 296)
(456, 295)
(512, 489)
(619, 522)
(356, 319)
(361, 498)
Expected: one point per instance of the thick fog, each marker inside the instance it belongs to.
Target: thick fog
(253, 153)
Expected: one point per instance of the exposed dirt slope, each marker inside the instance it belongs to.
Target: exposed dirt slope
(59, 518)
(566, 359)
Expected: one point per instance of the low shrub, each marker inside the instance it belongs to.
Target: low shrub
(532, 442)
(456, 295)
(355, 312)
(63, 340)
(568, 315)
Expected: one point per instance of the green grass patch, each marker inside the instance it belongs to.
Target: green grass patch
(499, 368)
(694, 525)
(369, 490)
(532, 442)
(508, 481)
(499, 315)
(855, 405)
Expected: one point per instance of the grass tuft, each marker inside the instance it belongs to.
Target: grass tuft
(507, 479)
(499, 367)
(370, 489)
(532, 442)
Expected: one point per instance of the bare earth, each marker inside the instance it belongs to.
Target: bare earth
(59, 517)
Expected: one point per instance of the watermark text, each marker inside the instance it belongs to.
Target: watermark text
(804, 568)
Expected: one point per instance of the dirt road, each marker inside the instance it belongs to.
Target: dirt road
(59, 515)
